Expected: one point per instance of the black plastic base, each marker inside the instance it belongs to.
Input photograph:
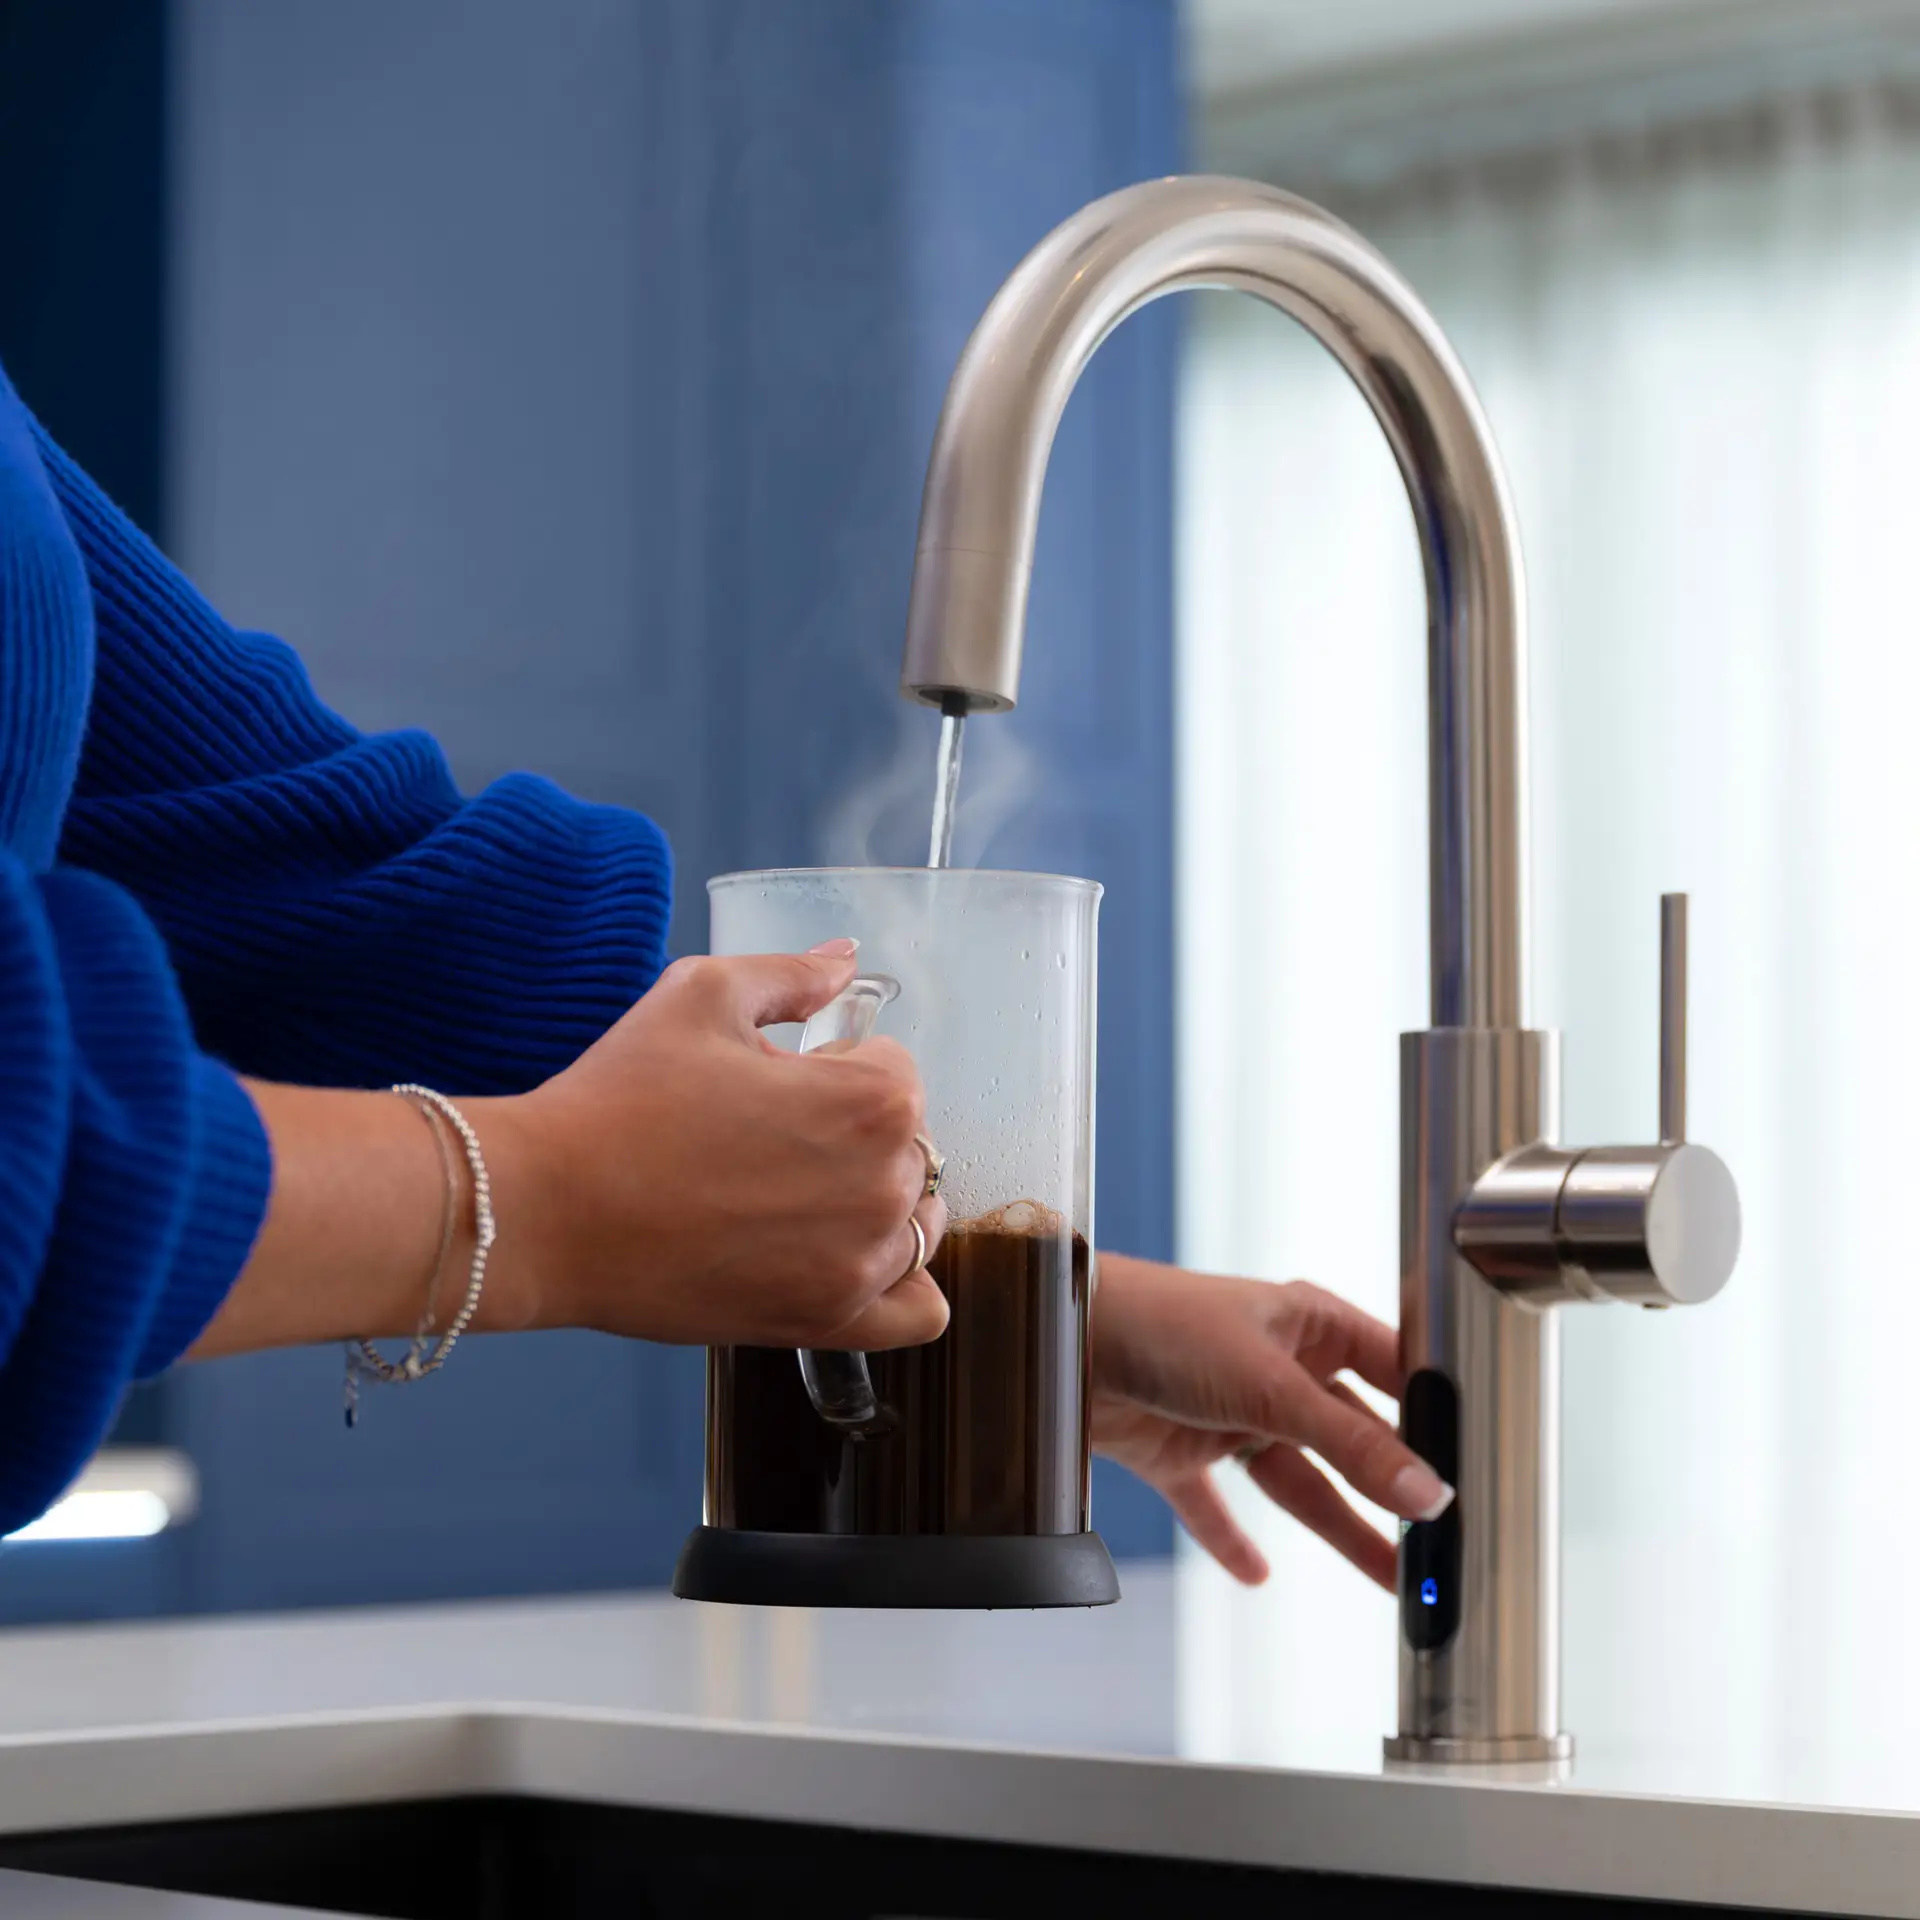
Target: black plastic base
(896, 1569)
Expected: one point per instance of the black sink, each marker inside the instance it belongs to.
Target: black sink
(505, 1858)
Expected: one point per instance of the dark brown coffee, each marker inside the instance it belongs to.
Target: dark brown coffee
(986, 1428)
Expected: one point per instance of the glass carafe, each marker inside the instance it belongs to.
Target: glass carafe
(979, 1455)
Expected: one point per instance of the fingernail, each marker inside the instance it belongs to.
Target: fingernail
(1420, 1493)
(835, 949)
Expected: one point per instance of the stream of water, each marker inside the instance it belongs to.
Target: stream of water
(946, 788)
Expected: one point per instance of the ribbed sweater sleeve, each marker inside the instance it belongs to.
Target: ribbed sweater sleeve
(133, 1168)
(133, 1173)
(336, 913)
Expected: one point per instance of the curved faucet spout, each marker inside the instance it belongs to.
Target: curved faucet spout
(982, 504)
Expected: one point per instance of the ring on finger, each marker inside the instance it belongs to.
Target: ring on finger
(920, 1248)
(936, 1164)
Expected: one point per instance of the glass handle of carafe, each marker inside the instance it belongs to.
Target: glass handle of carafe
(839, 1384)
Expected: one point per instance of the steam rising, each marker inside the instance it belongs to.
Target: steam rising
(883, 821)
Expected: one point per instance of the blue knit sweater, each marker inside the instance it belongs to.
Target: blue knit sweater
(202, 869)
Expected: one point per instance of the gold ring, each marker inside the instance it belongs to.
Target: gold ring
(920, 1248)
(936, 1164)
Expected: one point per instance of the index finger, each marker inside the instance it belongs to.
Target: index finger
(1340, 1337)
(1357, 1444)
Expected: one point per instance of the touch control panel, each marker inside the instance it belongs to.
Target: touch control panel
(1430, 1549)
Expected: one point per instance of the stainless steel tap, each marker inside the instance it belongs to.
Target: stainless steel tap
(1499, 1224)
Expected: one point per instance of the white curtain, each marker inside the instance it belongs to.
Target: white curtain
(1701, 356)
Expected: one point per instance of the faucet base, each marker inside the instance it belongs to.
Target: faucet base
(1518, 1749)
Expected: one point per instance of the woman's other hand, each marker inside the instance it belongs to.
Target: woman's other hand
(1190, 1369)
(686, 1180)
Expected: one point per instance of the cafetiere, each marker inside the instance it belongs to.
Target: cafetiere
(954, 1474)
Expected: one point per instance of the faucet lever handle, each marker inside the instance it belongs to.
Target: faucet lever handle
(1673, 1018)
(1656, 1225)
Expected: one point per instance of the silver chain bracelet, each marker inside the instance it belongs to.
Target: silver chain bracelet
(364, 1361)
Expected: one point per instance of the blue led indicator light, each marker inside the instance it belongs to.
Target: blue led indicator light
(1429, 1593)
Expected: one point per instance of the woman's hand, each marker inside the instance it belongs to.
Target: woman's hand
(1190, 1369)
(686, 1180)
(683, 1180)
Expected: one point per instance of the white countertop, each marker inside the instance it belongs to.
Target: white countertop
(1067, 1729)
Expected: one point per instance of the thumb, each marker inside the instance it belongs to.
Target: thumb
(764, 989)
(910, 1313)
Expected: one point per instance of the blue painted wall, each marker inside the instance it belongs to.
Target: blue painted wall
(82, 320)
(561, 377)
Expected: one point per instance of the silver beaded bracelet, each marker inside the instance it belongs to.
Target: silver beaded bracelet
(364, 1361)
